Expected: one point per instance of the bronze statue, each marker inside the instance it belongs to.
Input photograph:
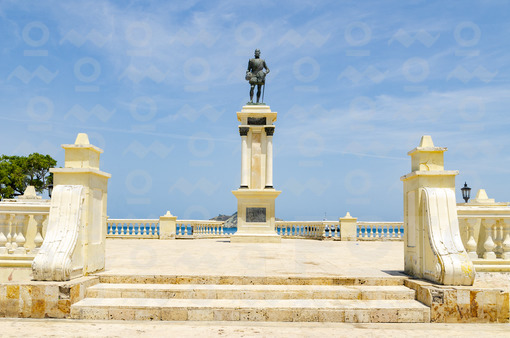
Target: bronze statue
(256, 75)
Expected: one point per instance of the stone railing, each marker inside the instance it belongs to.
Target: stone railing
(331, 230)
(485, 231)
(22, 228)
(150, 228)
(380, 231)
(199, 229)
(287, 229)
(132, 228)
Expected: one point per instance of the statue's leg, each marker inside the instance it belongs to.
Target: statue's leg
(258, 93)
(252, 89)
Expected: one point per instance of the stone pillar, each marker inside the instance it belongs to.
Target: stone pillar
(269, 157)
(433, 247)
(256, 196)
(245, 157)
(82, 170)
(348, 228)
(167, 226)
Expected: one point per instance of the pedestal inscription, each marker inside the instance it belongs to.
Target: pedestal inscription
(255, 215)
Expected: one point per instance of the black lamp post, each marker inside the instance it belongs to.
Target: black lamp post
(50, 189)
(466, 192)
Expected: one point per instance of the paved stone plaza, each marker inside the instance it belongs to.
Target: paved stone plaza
(219, 257)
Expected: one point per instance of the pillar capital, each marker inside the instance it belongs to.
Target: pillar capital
(243, 131)
(269, 130)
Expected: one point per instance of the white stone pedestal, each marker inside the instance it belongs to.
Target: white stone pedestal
(256, 195)
(255, 216)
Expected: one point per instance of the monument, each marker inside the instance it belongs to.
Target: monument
(256, 195)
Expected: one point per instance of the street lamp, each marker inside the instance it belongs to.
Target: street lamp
(466, 192)
(50, 189)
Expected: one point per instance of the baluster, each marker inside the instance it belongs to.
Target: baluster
(3, 239)
(471, 242)
(498, 239)
(21, 224)
(398, 234)
(506, 242)
(38, 240)
(9, 244)
(489, 242)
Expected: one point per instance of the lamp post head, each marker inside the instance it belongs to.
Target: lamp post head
(466, 192)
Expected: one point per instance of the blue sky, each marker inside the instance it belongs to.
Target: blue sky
(157, 85)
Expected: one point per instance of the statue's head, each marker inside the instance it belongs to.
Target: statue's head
(257, 52)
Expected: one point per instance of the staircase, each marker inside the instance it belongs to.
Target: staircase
(233, 298)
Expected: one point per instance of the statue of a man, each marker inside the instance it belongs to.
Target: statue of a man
(256, 74)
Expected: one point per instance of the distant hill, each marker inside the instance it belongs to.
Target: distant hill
(230, 221)
(220, 217)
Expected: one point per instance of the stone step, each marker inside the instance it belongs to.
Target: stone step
(209, 291)
(258, 280)
(299, 310)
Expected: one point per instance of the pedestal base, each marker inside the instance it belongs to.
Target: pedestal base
(255, 216)
(255, 238)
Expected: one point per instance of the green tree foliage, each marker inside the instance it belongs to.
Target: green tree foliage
(18, 172)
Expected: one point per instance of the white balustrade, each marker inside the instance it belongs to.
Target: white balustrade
(207, 229)
(21, 235)
(380, 230)
(22, 222)
(288, 229)
(132, 228)
(487, 240)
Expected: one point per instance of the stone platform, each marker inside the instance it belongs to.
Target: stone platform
(295, 280)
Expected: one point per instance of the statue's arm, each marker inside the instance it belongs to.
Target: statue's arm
(266, 67)
(248, 67)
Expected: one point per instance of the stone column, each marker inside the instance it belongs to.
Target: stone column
(167, 226)
(256, 196)
(348, 228)
(80, 194)
(245, 171)
(433, 246)
(269, 157)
